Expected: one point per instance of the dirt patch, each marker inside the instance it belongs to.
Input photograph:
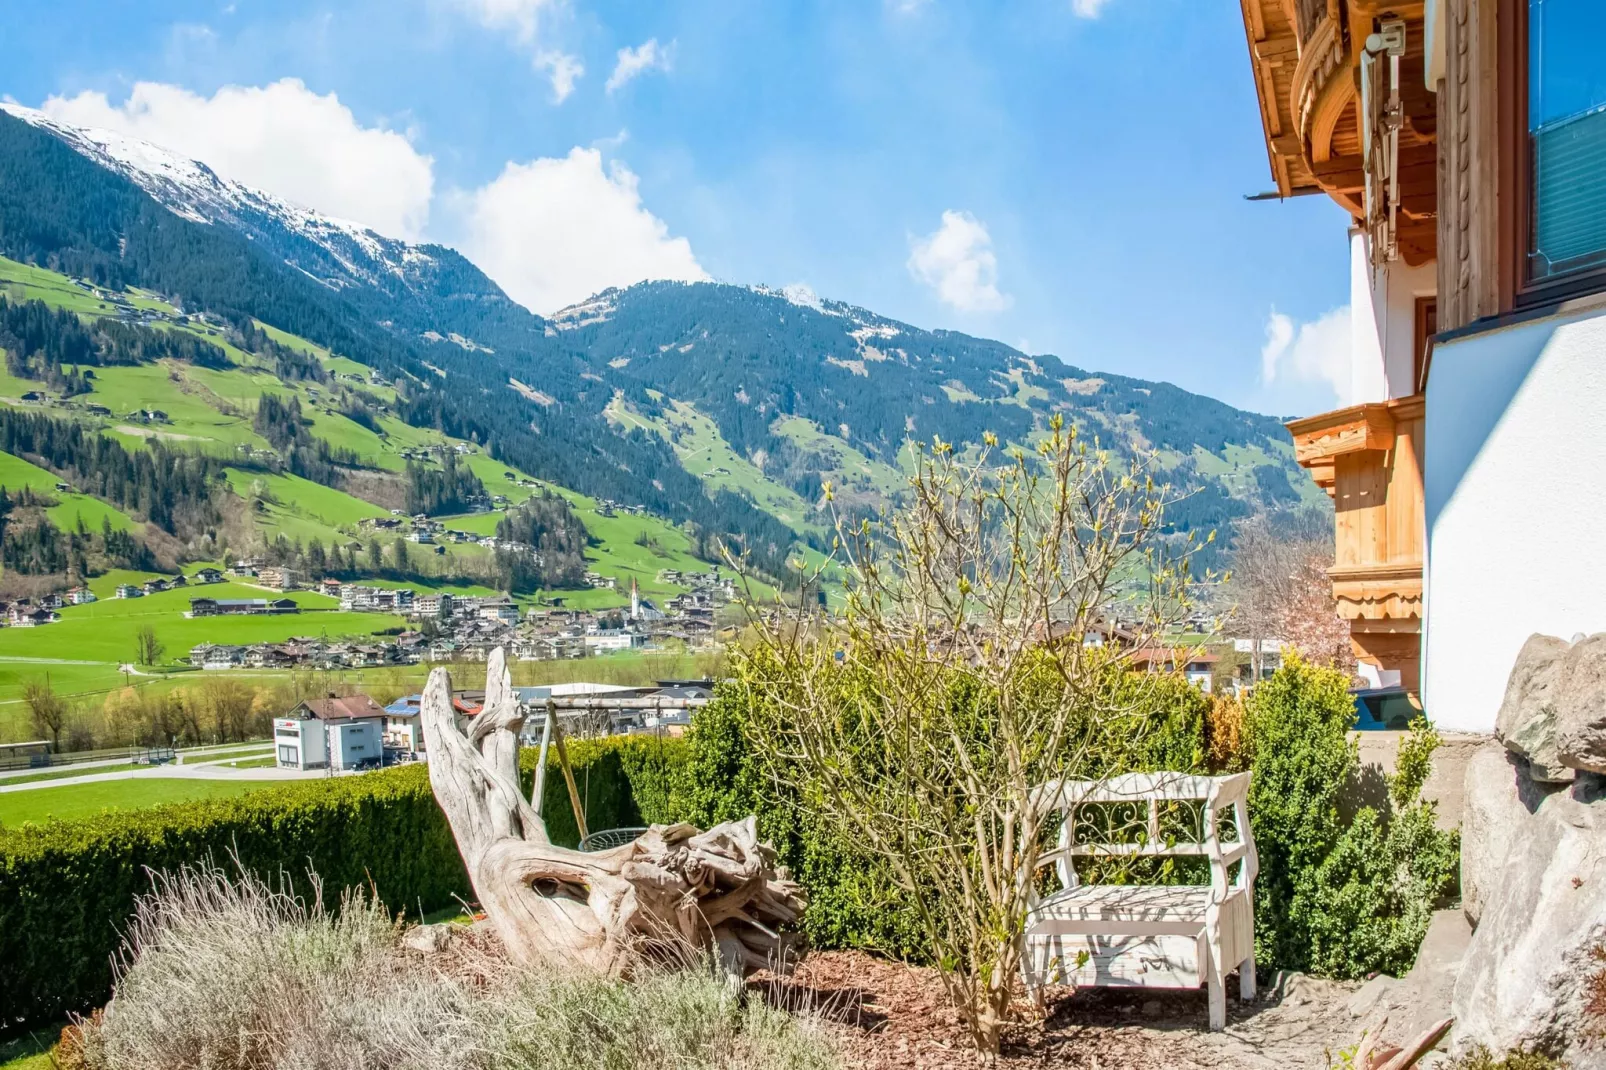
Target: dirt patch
(148, 432)
(885, 1015)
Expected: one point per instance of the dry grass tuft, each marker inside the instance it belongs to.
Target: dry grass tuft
(223, 970)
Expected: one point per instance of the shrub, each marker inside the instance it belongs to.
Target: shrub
(1340, 898)
(854, 900)
(67, 888)
(234, 972)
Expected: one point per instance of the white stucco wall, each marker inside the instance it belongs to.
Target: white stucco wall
(1514, 475)
(1383, 322)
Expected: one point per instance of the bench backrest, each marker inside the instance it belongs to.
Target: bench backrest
(1150, 790)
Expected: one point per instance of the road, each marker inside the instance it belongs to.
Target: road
(204, 771)
(257, 749)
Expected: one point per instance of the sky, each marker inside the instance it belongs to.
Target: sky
(1067, 176)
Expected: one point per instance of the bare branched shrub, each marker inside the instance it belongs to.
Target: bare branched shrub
(969, 666)
(224, 970)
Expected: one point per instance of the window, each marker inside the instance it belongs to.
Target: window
(288, 756)
(1425, 327)
(1564, 179)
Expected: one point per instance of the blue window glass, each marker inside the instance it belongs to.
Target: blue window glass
(1567, 135)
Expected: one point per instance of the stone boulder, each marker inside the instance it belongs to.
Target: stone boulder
(1527, 721)
(1540, 884)
(1581, 706)
(1500, 798)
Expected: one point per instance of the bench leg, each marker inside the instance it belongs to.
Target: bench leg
(1246, 979)
(1217, 986)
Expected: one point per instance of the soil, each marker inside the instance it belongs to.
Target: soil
(886, 1014)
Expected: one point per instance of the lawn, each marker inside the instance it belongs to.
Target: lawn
(16, 473)
(189, 401)
(296, 496)
(21, 282)
(85, 800)
(853, 467)
(704, 453)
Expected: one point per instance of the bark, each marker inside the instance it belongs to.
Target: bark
(671, 893)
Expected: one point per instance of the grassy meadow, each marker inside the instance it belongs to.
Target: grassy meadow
(70, 801)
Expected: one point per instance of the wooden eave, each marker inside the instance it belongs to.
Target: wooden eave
(1273, 54)
(1309, 96)
(1319, 439)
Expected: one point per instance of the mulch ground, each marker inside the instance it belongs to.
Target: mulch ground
(885, 1014)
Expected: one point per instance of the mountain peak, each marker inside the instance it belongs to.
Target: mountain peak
(346, 251)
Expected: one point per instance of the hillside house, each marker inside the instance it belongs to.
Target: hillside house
(333, 732)
(208, 575)
(234, 607)
(1464, 141)
(278, 578)
(129, 590)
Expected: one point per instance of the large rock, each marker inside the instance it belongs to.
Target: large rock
(1581, 706)
(1542, 915)
(1500, 799)
(1527, 721)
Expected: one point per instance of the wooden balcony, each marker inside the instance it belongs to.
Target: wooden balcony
(1305, 56)
(1368, 458)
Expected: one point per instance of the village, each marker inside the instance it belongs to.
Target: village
(455, 627)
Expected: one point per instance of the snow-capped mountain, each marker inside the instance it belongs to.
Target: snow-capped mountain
(336, 252)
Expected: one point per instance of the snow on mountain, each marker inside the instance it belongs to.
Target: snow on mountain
(336, 252)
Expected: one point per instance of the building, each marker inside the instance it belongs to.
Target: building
(499, 610)
(208, 575)
(612, 640)
(433, 606)
(129, 590)
(223, 607)
(1463, 139)
(333, 732)
(404, 729)
(1198, 666)
(278, 578)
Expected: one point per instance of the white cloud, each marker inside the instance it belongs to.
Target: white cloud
(647, 56)
(956, 260)
(555, 231)
(562, 69)
(1313, 352)
(1087, 9)
(283, 138)
(523, 18)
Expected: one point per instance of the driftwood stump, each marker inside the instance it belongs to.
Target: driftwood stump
(671, 891)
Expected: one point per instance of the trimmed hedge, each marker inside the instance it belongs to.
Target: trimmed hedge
(68, 887)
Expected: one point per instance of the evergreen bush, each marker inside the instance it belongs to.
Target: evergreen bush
(1336, 896)
(67, 888)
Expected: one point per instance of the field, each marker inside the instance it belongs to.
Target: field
(212, 411)
(81, 653)
(853, 468)
(16, 473)
(85, 800)
(704, 453)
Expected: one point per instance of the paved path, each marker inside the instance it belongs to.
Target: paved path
(174, 772)
(257, 749)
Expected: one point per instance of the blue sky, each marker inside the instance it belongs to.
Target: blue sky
(1064, 175)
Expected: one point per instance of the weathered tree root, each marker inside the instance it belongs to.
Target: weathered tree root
(670, 894)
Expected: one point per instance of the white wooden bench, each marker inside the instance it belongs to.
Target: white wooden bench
(1153, 936)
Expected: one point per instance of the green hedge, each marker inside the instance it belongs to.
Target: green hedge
(623, 781)
(68, 888)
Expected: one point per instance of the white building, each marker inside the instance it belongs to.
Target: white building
(1468, 464)
(336, 733)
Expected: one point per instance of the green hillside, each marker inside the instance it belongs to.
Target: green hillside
(212, 410)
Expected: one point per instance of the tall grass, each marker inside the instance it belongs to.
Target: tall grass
(223, 970)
